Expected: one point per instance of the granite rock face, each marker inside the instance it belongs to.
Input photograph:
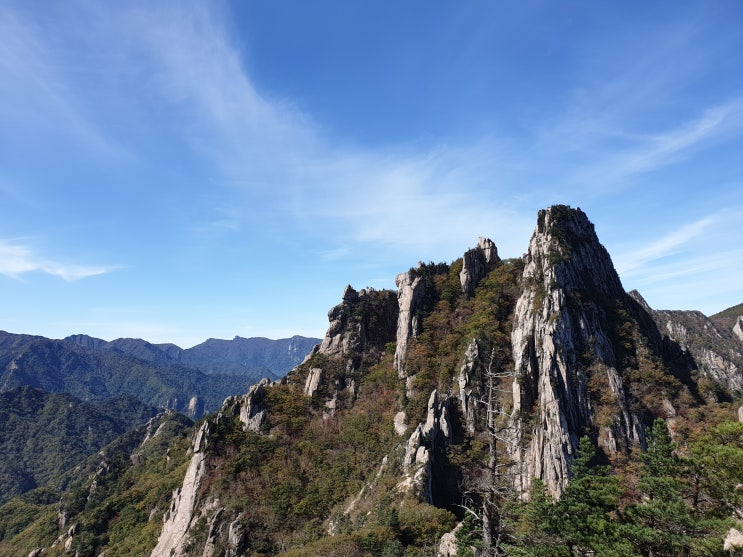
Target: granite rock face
(363, 322)
(183, 510)
(716, 352)
(738, 328)
(560, 330)
(471, 388)
(410, 295)
(253, 406)
(360, 328)
(476, 263)
(423, 447)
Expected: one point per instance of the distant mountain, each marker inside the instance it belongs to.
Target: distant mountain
(275, 357)
(255, 357)
(43, 435)
(92, 371)
(715, 344)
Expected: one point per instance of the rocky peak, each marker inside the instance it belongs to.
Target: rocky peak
(360, 328)
(560, 338)
(410, 296)
(476, 263)
(363, 320)
(565, 250)
(250, 407)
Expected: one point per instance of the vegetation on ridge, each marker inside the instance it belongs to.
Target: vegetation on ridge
(43, 435)
(330, 473)
(114, 499)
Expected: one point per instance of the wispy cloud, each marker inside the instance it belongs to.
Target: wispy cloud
(643, 152)
(697, 261)
(634, 109)
(427, 200)
(41, 98)
(667, 245)
(406, 196)
(17, 260)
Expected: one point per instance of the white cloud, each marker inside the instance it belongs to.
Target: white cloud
(17, 260)
(404, 196)
(428, 201)
(651, 151)
(669, 244)
(40, 97)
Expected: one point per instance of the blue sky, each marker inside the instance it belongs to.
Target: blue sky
(182, 170)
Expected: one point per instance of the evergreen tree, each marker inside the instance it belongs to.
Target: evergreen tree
(662, 522)
(582, 522)
(537, 533)
(717, 466)
(586, 514)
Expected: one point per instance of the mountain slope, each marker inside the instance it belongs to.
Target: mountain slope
(116, 495)
(97, 374)
(475, 386)
(43, 435)
(254, 358)
(713, 343)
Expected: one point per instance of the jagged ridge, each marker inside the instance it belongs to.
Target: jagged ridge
(473, 377)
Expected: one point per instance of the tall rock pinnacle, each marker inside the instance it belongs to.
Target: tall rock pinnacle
(560, 340)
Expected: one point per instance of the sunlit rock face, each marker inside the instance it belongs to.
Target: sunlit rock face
(410, 294)
(716, 351)
(560, 328)
(738, 328)
(476, 263)
(183, 510)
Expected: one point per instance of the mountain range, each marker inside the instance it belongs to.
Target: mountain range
(488, 406)
(192, 381)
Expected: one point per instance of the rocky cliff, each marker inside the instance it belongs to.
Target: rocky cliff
(563, 339)
(445, 398)
(716, 350)
(183, 511)
(360, 328)
(523, 356)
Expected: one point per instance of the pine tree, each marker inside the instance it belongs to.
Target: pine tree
(664, 522)
(717, 464)
(582, 522)
(536, 531)
(586, 514)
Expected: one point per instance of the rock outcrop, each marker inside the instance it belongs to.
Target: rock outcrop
(470, 385)
(360, 328)
(716, 352)
(476, 263)
(410, 295)
(313, 381)
(423, 447)
(560, 337)
(179, 517)
(251, 407)
(738, 328)
(363, 322)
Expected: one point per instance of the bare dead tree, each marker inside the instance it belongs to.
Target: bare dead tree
(489, 488)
